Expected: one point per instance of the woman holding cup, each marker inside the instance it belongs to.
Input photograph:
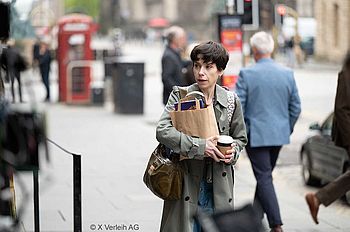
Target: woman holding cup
(208, 173)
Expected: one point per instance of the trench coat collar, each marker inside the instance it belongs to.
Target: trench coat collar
(220, 93)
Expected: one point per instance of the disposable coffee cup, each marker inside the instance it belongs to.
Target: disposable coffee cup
(224, 143)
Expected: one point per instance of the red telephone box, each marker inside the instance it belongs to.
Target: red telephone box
(74, 57)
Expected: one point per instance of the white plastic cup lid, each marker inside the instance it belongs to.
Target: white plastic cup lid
(225, 139)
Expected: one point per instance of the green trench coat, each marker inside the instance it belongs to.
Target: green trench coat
(178, 215)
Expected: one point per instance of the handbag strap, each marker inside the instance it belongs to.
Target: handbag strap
(231, 104)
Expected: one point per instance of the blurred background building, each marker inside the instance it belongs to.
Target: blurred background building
(44, 14)
(333, 31)
(146, 19)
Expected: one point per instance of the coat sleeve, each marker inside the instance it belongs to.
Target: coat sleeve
(294, 106)
(237, 126)
(179, 142)
(342, 106)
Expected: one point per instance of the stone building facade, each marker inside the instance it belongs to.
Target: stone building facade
(198, 16)
(305, 8)
(194, 15)
(333, 29)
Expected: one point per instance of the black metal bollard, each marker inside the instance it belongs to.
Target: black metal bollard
(77, 213)
(77, 193)
(36, 200)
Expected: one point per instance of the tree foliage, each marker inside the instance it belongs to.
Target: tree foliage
(89, 7)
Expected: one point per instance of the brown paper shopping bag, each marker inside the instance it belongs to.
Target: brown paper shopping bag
(199, 122)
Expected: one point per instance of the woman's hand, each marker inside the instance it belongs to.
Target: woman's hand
(211, 149)
(231, 155)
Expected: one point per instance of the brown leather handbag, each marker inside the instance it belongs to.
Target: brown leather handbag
(164, 177)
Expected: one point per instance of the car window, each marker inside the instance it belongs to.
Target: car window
(326, 127)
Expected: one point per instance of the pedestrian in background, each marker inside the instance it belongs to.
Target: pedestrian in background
(172, 63)
(289, 46)
(271, 107)
(208, 182)
(187, 70)
(44, 61)
(13, 63)
(299, 53)
(341, 136)
(36, 49)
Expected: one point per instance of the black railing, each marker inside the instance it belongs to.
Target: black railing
(77, 217)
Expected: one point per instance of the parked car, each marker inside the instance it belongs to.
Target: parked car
(307, 45)
(322, 161)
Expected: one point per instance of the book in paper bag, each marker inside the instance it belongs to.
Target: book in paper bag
(198, 122)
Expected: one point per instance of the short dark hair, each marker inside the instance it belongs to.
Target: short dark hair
(211, 52)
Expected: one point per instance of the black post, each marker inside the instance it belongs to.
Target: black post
(77, 192)
(77, 220)
(36, 200)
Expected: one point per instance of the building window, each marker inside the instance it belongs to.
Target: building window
(336, 24)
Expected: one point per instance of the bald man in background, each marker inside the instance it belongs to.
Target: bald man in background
(172, 63)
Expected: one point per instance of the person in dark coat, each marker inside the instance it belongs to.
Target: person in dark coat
(341, 121)
(44, 61)
(271, 106)
(172, 63)
(36, 49)
(341, 136)
(14, 64)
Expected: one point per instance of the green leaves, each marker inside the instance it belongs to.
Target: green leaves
(90, 7)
